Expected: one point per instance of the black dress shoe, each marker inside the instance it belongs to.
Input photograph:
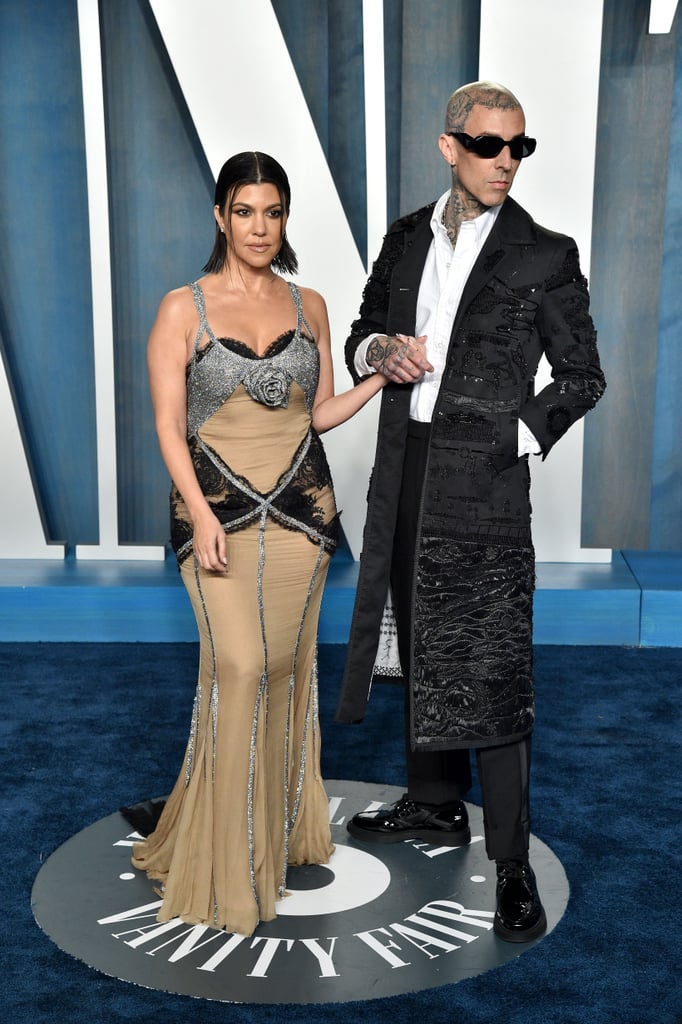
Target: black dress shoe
(520, 915)
(144, 817)
(446, 826)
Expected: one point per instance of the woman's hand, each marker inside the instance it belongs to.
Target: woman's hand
(210, 543)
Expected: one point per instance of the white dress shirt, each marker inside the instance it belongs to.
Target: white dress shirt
(445, 274)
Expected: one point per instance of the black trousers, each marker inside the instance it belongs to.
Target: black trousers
(439, 777)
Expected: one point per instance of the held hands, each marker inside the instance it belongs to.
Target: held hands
(210, 543)
(401, 359)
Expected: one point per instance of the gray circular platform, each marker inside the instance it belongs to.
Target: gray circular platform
(378, 920)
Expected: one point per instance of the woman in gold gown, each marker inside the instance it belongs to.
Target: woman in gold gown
(242, 384)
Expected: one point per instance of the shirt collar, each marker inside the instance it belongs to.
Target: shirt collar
(482, 224)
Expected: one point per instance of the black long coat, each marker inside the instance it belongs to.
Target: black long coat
(471, 650)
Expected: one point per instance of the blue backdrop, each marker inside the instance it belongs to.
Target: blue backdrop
(161, 226)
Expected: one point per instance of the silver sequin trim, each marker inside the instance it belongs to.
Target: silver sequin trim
(213, 698)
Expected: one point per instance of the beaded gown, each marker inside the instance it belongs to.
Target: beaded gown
(250, 799)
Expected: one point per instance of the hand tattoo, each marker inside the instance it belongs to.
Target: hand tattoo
(381, 349)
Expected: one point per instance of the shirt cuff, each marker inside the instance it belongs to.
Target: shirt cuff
(362, 367)
(527, 441)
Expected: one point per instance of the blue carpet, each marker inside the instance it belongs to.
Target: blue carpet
(90, 726)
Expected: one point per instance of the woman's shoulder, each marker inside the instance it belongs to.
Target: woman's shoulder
(178, 311)
(179, 301)
(312, 300)
(315, 312)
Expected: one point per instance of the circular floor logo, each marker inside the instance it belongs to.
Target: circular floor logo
(376, 921)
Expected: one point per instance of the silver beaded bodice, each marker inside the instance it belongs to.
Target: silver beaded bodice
(216, 370)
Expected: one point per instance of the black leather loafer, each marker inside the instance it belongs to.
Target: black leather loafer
(520, 915)
(446, 826)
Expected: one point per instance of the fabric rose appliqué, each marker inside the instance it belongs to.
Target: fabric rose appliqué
(269, 386)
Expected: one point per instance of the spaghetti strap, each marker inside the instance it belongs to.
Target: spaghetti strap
(300, 319)
(200, 304)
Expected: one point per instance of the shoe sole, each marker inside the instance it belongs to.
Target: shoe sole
(433, 836)
(511, 935)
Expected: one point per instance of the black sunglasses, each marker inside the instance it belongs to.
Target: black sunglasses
(490, 145)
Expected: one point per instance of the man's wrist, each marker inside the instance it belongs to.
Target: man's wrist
(362, 366)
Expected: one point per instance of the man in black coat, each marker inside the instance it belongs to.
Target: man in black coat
(466, 296)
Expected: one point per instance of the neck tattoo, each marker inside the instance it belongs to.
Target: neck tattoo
(460, 206)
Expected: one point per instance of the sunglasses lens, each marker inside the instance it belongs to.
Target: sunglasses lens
(521, 147)
(487, 145)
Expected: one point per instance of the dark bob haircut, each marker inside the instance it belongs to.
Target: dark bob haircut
(250, 168)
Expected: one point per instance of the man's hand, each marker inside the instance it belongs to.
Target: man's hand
(401, 359)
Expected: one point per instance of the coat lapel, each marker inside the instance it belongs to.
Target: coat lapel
(512, 227)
